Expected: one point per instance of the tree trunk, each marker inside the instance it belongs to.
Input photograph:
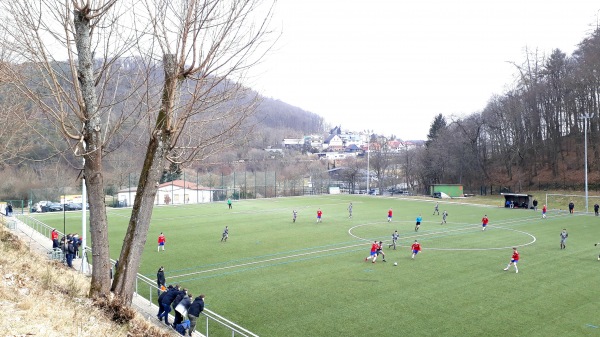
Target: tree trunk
(100, 284)
(141, 214)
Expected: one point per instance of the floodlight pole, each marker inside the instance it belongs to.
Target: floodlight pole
(586, 117)
(368, 161)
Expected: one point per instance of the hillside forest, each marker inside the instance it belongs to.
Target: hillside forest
(530, 137)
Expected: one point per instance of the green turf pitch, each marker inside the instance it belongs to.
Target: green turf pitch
(278, 278)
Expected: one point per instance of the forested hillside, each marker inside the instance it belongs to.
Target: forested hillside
(531, 136)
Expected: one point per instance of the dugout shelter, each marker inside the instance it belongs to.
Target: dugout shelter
(518, 200)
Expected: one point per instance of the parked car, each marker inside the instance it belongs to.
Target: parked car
(73, 206)
(374, 191)
(52, 207)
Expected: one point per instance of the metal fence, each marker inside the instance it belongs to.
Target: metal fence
(213, 322)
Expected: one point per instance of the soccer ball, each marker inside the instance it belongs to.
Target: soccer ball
(395, 263)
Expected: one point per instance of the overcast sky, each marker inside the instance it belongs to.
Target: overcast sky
(391, 65)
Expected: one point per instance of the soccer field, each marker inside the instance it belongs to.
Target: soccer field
(278, 278)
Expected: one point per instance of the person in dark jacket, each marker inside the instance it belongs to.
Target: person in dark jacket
(180, 296)
(571, 207)
(70, 253)
(181, 309)
(160, 279)
(167, 299)
(161, 309)
(194, 312)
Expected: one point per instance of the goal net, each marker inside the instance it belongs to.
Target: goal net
(560, 202)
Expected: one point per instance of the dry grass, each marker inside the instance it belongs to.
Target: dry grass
(39, 297)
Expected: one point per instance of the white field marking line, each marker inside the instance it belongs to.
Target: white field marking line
(272, 210)
(441, 201)
(470, 227)
(267, 260)
(534, 239)
(458, 230)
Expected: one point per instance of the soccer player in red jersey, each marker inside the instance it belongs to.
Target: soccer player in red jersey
(161, 241)
(390, 215)
(416, 248)
(373, 253)
(514, 259)
(319, 215)
(544, 209)
(484, 222)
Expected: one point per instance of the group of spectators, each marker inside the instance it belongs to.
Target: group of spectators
(68, 244)
(181, 301)
(9, 209)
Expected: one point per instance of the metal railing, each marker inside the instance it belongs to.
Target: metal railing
(211, 317)
(142, 282)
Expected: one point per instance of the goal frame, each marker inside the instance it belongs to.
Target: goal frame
(588, 203)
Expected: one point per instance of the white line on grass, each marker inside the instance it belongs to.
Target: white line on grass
(467, 227)
(267, 260)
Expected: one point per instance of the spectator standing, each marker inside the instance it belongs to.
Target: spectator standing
(70, 253)
(160, 279)
(54, 236)
(571, 207)
(178, 316)
(535, 203)
(596, 207)
(9, 209)
(76, 244)
(194, 312)
(182, 308)
(166, 302)
(161, 241)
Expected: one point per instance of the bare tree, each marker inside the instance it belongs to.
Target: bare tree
(380, 160)
(352, 172)
(202, 43)
(77, 95)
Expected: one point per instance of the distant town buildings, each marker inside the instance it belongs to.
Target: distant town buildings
(338, 144)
